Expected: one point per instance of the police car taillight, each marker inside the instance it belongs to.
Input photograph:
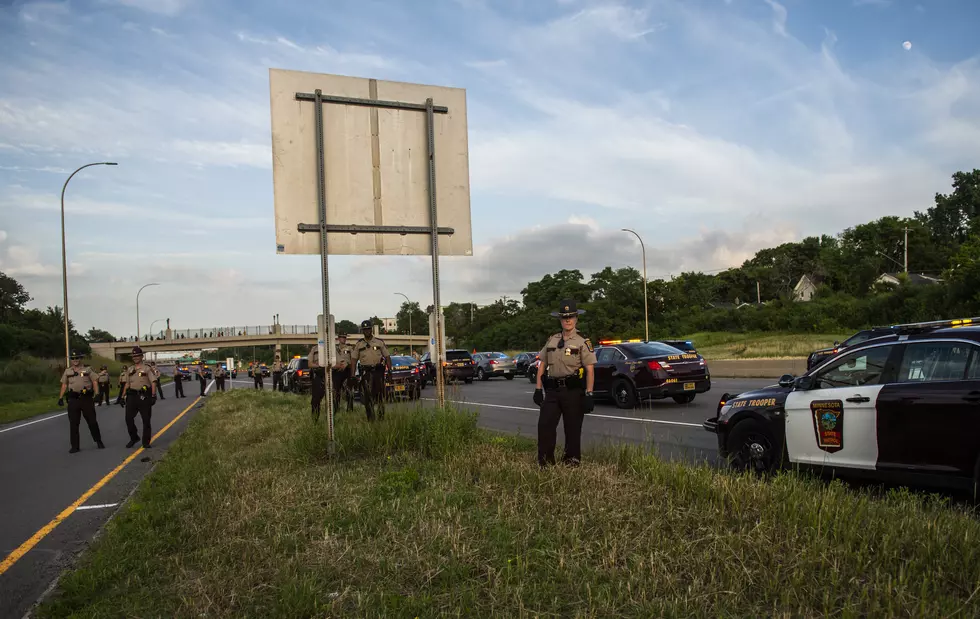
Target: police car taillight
(654, 365)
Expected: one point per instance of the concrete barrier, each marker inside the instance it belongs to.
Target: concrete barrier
(756, 368)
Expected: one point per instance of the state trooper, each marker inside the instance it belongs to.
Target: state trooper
(156, 379)
(566, 373)
(81, 383)
(257, 376)
(104, 386)
(341, 372)
(220, 374)
(122, 384)
(203, 382)
(141, 395)
(371, 354)
(277, 367)
(178, 382)
(318, 382)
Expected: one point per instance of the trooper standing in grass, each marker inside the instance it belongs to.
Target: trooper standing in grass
(318, 380)
(374, 360)
(80, 382)
(342, 374)
(141, 395)
(104, 388)
(567, 374)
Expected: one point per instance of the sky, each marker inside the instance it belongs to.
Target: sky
(713, 128)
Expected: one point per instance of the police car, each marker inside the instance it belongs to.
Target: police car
(628, 371)
(901, 407)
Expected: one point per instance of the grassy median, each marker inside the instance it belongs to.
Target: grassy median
(426, 515)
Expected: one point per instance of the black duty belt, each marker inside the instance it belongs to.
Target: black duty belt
(569, 382)
(73, 395)
(372, 368)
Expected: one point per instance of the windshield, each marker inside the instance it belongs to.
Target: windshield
(651, 349)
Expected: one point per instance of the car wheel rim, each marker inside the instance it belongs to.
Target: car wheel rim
(622, 394)
(755, 453)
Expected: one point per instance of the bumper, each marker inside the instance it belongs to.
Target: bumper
(460, 372)
(511, 371)
(403, 389)
(711, 425)
(681, 387)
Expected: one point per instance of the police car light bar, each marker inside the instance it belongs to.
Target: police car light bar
(603, 342)
(938, 324)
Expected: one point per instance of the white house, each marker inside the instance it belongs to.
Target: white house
(804, 289)
(390, 324)
(915, 279)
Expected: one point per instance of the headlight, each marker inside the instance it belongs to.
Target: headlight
(724, 410)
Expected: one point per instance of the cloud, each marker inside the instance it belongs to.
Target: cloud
(224, 153)
(872, 2)
(779, 15)
(160, 7)
(3, 236)
(23, 261)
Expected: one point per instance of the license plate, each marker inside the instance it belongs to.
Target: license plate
(399, 387)
(688, 386)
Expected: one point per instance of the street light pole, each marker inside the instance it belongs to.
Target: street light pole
(138, 334)
(411, 348)
(64, 259)
(646, 307)
(153, 323)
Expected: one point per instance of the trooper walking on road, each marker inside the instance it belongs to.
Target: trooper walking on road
(567, 374)
(122, 384)
(372, 355)
(277, 368)
(341, 374)
(220, 374)
(141, 395)
(104, 387)
(317, 382)
(156, 379)
(82, 386)
(178, 383)
(257, 376)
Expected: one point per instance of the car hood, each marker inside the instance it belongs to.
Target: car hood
(766, 393)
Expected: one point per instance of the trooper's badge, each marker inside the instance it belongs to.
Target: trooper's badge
(568, 352)
(588, 344)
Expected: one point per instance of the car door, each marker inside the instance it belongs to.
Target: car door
(834, 422)
(605, 366)
(929, 417)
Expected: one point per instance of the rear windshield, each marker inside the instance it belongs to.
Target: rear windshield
(402, 360)
(497, 355)
(651, 349)
(679, 345)
(457, 355)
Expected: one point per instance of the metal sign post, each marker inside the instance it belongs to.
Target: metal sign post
(433, 230)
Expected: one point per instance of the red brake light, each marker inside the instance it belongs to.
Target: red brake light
(654, 365)
(492, 362)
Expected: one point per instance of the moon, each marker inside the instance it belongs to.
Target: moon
(907, 45)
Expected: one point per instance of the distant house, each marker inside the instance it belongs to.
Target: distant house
(805, 288)
(727, 305)
(389, 324)
(915, 279)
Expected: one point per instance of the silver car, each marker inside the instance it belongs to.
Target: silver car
(489, 364)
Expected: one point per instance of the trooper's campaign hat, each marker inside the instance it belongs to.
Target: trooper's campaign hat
(567, 308)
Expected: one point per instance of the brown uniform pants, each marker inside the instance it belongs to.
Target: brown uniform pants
(144, 406)
(567, 403)
(373, 391)
(82, 406)
(341, 386)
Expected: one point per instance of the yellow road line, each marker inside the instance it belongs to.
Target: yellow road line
(24, 548)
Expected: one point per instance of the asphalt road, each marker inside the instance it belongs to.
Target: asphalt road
(40, 480)
(671, 430)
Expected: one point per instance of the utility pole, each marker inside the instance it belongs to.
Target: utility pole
(906, 250)
(758, 293)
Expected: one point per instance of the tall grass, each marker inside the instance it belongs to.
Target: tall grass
(246, 517)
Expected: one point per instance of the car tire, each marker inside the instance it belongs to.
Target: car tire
(481, 375)
(509, 376)
(687, 398)
(751, 447)
(624, 394)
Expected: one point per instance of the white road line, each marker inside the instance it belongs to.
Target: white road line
(30, 423)
(102, 506)
(526, 408)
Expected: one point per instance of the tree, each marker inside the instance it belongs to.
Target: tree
(13, 297)
(346, 326)
(419, 322)
(955, 215)
(98, 335)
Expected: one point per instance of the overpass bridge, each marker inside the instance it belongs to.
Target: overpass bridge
(231, 337)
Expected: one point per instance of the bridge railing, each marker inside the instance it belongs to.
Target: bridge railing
(242, 331)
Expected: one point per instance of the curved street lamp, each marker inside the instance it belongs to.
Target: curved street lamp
(150, 332)
(411, 348)
(138, 335)
(646, 310)
(64, 259)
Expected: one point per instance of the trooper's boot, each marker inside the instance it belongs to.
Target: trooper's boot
(99, 445)
(130, 444)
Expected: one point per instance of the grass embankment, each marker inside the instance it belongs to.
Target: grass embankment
(720, 345)
(425, 515)
(29, 386)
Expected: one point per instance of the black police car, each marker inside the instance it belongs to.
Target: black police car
(633, 370)
(818, 356)
(296, 377)
(902, 407)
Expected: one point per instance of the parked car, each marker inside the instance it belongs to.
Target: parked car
(490, 364)
(532, 371)
(405, 379)
(459, 366)
(627, 372)
(819, 356)
(681, 345)
(296, 376)
(523, 360)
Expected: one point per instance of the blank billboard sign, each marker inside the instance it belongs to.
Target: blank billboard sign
(376, 165)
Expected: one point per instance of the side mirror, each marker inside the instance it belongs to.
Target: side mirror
(786, 380)
(804, 383)
(836, 344)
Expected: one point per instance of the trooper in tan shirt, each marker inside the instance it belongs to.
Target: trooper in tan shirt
(141, 394)
(104, 386)
(81, 383)
(567, 374)
(277, 368)
(371, 354)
